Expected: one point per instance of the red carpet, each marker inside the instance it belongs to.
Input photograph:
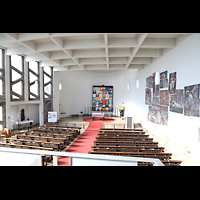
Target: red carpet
(85, 141)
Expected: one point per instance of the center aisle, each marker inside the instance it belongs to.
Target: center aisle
(85, 141)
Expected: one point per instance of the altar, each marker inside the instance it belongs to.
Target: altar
(97, 115)
(23, 122)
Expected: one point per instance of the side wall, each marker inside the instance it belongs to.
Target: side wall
(184, 59)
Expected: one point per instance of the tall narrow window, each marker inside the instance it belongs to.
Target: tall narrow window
(33, 81)
(48, 82)
(2, 92)
(47, 91)
(16, 78)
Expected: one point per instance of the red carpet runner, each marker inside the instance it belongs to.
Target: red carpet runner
(85, 141)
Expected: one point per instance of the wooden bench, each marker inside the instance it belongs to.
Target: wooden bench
(161, 156)
(126, 148)
(135, 139)
(75, 131)
(54, 135)
(66, 127)
(122, 134)
(49, 136)
(125, 143)
(64, 141)
(102, 130)
(57, 146)
(55, 131)
(43, 138)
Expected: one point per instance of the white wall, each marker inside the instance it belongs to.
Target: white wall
(32, 110)
(185, 60)
(19, 159)
(76, 93)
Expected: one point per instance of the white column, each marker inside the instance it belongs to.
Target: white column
(7, 85)
(41, 105)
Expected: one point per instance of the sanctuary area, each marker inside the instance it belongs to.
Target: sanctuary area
(115, 99)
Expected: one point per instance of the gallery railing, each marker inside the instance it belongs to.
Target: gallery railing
(79, 159)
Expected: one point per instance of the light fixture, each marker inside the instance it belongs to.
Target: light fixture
(128, 86)
(137, 83)
(60, 86)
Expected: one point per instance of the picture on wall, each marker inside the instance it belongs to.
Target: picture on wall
(158, 115)
(172, 83)
(102, 98)
(164, 115)
(148, 96)
(154, 114)
(156, 95)
(164, 97)
(163, 80)
(192, 100)
(149, 82)
(177, 102)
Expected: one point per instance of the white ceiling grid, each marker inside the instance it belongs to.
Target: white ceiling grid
(89, 51)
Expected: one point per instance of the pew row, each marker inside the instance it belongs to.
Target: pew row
(130, 142)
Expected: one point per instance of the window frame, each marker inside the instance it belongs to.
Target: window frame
(3, 96)
(48, 102)
(37, 97)
(21, 97)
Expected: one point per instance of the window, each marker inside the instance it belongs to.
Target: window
(48, 81)
(16, 78)
(48, 91)
(34, 81)
(2, 92)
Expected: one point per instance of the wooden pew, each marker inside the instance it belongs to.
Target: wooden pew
(25, 146)
(135, 139)
(55, 145)
(123, 134)
(127, 135)
(73, 133)
(127, 143)
(66, 127)
(161, 156)
(171, 162)
(130, 143)
(62, 141)
(126, 148)
(61, 129)
(48, 138)
(54, 135)
(122, 131)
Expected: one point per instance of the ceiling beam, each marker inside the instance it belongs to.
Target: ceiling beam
(59, 43)
(12, 35)
(106, 49)
(141, 39)
(28, 44)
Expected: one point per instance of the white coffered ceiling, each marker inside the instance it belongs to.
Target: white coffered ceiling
(89, 51)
